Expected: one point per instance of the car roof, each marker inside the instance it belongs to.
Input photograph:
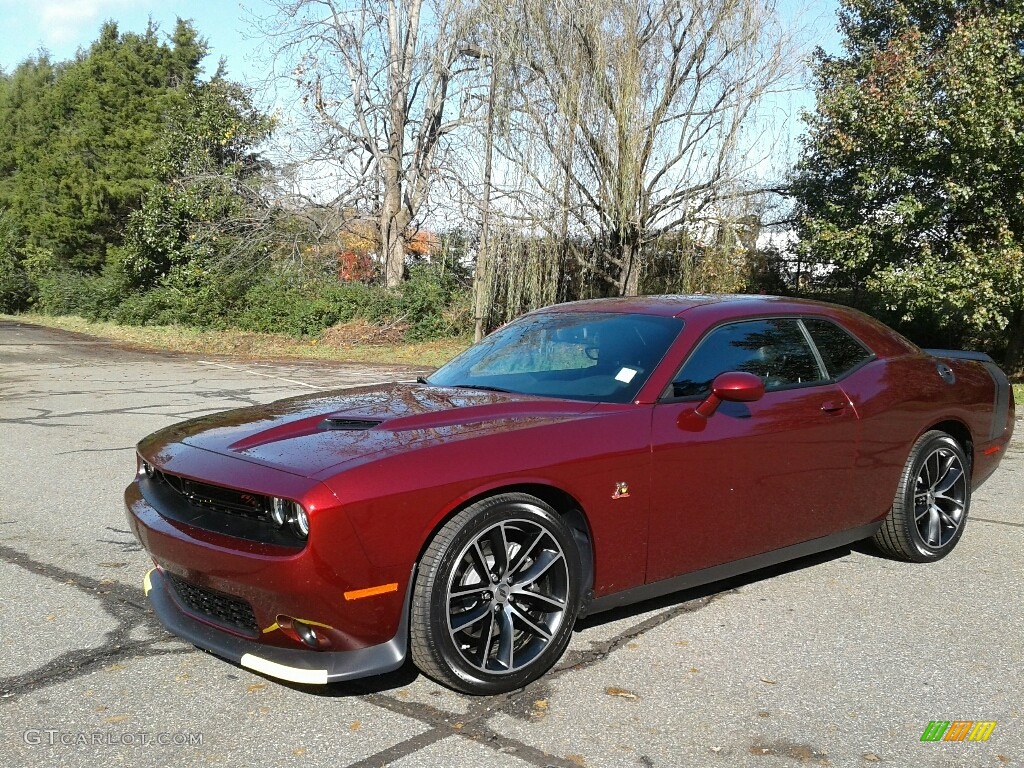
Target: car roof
(712, 309)
(676, 305)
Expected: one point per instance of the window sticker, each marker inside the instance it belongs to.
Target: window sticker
(625, 375)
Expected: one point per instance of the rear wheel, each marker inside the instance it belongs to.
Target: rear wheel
(930, 509)
(496, 596)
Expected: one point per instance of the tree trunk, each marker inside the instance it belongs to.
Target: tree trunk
(393, 222)
(629, 279)
(481, 276)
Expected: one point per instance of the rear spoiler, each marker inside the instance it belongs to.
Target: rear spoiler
(960, 354)
(1002, 399)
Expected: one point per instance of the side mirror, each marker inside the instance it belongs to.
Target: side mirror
(734, 387)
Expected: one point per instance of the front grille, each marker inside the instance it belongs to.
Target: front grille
(228, 611)
(228, 511)
(219, 499)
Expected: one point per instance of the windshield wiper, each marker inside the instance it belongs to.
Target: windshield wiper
(484, 387)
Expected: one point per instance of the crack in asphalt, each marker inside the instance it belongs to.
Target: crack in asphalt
(997, 522)
(472, 726)
(118, 600)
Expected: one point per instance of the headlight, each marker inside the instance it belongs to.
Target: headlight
(283, 511)
(299, 520)
(279, 511)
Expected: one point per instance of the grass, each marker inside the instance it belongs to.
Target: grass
(248, 345)
(1018, 394)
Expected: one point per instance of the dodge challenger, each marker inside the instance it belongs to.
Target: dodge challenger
(586, 456)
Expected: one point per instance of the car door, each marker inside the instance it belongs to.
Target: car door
(753, 477)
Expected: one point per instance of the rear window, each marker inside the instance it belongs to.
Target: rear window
(840, 352)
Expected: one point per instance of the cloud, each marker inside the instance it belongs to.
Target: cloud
(68, 21)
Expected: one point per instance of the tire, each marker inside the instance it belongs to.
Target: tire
(929, 512)
(496, 596)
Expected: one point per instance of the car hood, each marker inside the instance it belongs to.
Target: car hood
(310, 434)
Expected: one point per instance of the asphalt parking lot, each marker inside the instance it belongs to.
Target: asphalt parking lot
(841, 659)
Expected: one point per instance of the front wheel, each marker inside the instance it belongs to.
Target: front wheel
(929, 512)
(496, 596)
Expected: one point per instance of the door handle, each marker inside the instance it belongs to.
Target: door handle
(833, 406)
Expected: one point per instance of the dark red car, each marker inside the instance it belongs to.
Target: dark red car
(585, 456)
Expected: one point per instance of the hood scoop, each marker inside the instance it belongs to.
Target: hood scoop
(349, 425)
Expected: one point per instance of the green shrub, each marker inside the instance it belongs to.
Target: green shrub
(431, 304)
(16, 288)
(425, 300)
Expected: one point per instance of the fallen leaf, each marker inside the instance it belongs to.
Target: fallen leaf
(264, 710)
(116, 719)
(694, 669)
(1002, 758)
(115, 668)
(681, 642)
(403, 694)
(51, 617)
(299, 751)
(356, 725)
(255, 687)
(578, 759)
(871, 757)
(458, 726)
(540, 704)
(633, 646)
(620, 692)
(716, 749)
(101, 708)
(766, 680)
(181, 678)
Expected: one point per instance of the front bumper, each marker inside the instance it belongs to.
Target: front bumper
(294, 665)
(237, 590)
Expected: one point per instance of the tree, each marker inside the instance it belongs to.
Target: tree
(76, 139)
(911, 181)
(627, 118)
(210, 197)
(378, 80)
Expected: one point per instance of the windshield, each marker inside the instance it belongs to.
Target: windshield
(577, 355)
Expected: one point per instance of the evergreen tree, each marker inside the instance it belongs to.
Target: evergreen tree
(77, 139)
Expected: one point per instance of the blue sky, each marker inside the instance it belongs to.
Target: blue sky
(63, 26)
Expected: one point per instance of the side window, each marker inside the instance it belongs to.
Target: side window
(775, 350)
(838, 349)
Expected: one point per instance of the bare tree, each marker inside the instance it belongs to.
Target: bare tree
(379, 81)
(633, 118)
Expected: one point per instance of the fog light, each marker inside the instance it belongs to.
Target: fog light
(305, 632)
(278, 511)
